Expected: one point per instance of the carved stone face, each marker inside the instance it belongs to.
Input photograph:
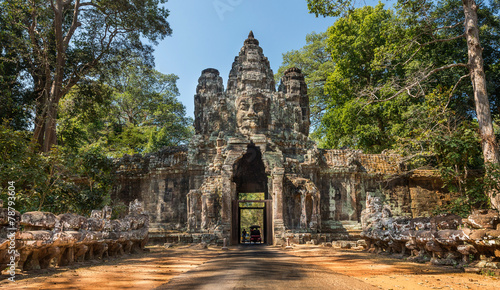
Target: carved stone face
(252, 115)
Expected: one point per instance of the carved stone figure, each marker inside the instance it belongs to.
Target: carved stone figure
(48, 240)
(253, 113)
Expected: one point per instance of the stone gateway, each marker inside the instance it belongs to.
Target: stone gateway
(252, 140)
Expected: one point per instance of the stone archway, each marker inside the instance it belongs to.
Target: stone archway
(251, 184)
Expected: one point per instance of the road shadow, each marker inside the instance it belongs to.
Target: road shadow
(256, 264)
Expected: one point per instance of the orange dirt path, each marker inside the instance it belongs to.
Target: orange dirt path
(391, 273)
(139, 271)
(150, 270)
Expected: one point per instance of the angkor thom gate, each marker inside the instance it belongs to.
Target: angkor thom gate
(251, 138)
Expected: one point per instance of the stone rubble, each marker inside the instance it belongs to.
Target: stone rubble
(443, 240)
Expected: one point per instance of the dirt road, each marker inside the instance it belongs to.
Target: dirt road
(306, 267)
(262, 267)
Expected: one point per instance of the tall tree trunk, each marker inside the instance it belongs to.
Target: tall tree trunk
(45, 124)
(46, 121)
(50, 138)
(483, 112)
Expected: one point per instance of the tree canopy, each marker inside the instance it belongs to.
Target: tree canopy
(139, 112)
(397, 80)
(77, 87)
(59, 42)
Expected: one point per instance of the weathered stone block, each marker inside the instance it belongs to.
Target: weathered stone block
(446, 222)
(70, 221)
(94, 224)
(38, 220)
(483, 219)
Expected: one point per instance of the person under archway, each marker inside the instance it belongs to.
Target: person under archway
(244, 236)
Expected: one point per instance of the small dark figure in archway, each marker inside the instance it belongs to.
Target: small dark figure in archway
(244, 236)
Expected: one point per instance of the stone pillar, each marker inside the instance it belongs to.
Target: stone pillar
(277, 177)
(193, 210)
(228, 189)
(314, 223)
(303, 210)
(204, 213)
(207, 209)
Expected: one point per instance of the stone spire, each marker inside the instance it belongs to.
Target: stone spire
(251, 69)
(209, 103)
(251, 39)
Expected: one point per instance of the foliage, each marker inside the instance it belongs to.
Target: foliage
(438, 136)
(423, 36)
(93, 60)
(59, 181)
(352, 120)
(390, 88)
(62, 42)
(19, 164)
(15, 99)
(330, 8)
(134, 110)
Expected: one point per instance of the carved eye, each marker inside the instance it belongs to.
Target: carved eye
(243, 106)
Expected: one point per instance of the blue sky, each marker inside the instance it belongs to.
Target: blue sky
(210, 33)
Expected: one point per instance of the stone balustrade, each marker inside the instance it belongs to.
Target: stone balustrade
(44, 239)
(444, 239)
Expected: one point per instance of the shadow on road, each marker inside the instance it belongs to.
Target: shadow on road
(248, 264)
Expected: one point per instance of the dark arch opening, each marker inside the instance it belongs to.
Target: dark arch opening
(249, 173)
(250, 205)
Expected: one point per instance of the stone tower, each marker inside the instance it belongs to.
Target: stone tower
(210, 103)
(251, 70)
(250, 138)
(293, 94)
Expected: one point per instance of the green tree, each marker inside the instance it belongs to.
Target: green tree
(354, 43)
(338, 65)
(57, 181)
(437, 135)
(15, 99)
(19, 164)
(62, 41)
(134, 110)
(418, 15)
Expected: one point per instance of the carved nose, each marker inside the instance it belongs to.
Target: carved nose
(251, 112)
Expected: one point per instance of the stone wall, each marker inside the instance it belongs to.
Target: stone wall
(343, 178)
(44, 239)
(161, 181)
(342, 160)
